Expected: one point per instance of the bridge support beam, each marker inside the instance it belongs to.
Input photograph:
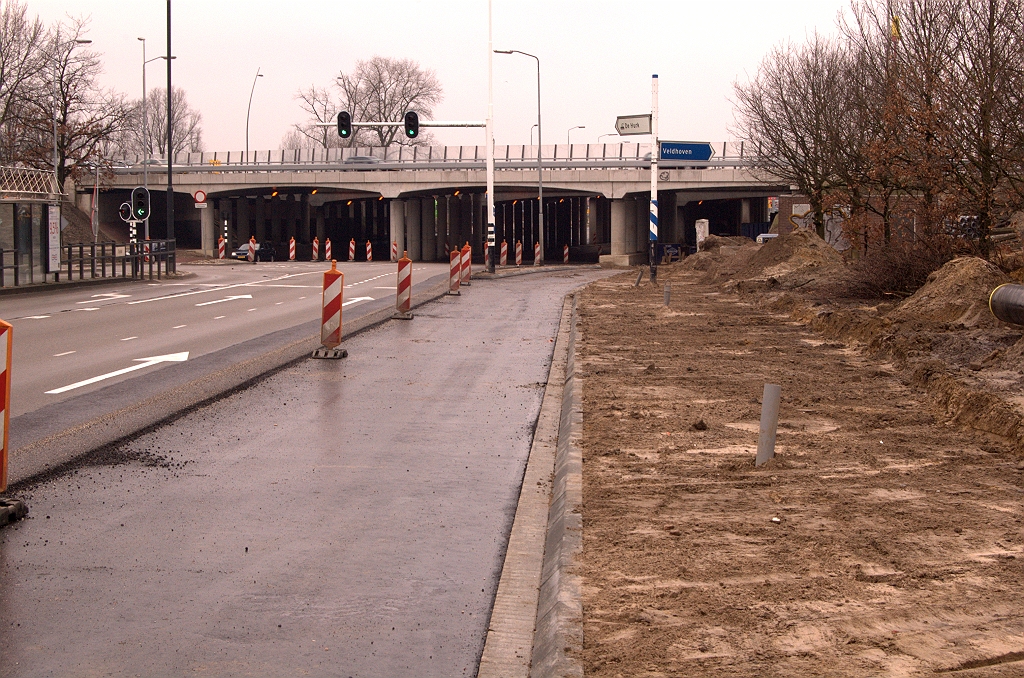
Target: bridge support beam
(413, 214)
(624, 238)
(443, 241)
(429, 230)
(208, 229)
(397, 209)
(304, 236)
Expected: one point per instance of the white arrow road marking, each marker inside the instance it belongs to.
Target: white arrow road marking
(357, 300)
(143, 362)
(104, 297)
(231, 298)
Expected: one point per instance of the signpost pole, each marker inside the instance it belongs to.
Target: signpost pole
(654, 178)
(489, 256)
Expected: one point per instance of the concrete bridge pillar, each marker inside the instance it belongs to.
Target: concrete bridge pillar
(276, 208)
(242, 227)
(443, 241)
(321, 223)
(429, 227)
(413, 215)
(398, 226)
(208, 229)
(304, 236)
(620, 243)
(623, 217)
(262, 206)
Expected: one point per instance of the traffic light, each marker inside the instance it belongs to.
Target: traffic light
(412, 124)
(345, 125)
(140, 203)
(125, 211)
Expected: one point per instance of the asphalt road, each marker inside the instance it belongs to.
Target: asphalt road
(339, 518)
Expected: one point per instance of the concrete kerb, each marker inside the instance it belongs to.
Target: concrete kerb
(37, 460)
(537, 611)
(90, 282)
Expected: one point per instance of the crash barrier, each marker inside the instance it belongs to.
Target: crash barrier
(519, 252)
(369, 251)
(220, 248)
(1007, 303)
(565, 254)
(467, 264)
(403, 298)
(503, 257)
(330, 316)
(6, 342)
(316, 250)
(536, 253)
(352, 249)
(455, 272)
(251, 255)
(327, 250)
(84, 261)
(394, 251)
(291, 250)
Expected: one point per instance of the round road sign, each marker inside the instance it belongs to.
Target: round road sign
(200, 196)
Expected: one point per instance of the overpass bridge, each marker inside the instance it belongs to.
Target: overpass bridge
(430, 199)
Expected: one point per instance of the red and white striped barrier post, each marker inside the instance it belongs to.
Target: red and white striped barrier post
(327, 250)
(394, 251)
(565, 254)
(369, 251)
(352, 249)
(316, 250)
(454, 272)
(519, 252)
(503, 258)
(251, 255)
(145, 249)
(6, 341)
(536, 253)
(467, 264)
(291, 250)
(330, 318)
(220, 249)
(403, 299)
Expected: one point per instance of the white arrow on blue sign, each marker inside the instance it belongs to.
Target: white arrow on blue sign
(698, 151)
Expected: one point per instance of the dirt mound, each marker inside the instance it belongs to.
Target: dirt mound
(716, 242)
(720, 257)
(955, 294)
(797, 252)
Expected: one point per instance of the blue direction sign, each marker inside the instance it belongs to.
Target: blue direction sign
(698, 151)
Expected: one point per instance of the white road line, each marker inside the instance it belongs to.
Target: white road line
(178, 327)
(129, 338)
(357, 300)
(143, 362)
(57, 355)
(231, 298)
(302, 297)
(278, 303)
(85, 309)
(220, 316)
(34, 317)
(385, 288)
(252, 309)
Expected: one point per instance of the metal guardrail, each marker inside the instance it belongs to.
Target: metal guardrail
(135, 261)
(569, 156)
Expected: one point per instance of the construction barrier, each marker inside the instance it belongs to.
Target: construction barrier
(394, 251)
(369, 251)
(6, 341)
(251, 255)
(327, 250)
(220, 249)
(536, 253)
(352, 249)
(403, 298)
(316, 250)
(467, 264)
(330, 319)
(291, 250)
(455, 272)
(519, 253)
(503, 258)
(565, 254)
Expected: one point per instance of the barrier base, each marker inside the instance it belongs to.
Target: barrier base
(330, 353)
(454, 294)
(12, 510)
(402, 315)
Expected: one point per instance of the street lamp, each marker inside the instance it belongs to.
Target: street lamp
(540, 176)
(610, 134)
(145, 124)
(570, 130)
(258, 75)
(531, 133)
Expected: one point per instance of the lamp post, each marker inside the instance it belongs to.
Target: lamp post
(570, 130)
(145, 124)
(610, 134)
(258, 75)
(531, 133)
(540, 174)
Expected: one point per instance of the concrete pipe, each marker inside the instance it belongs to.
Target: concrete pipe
(1007, 303)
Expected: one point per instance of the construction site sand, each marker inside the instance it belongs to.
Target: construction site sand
(886, 536)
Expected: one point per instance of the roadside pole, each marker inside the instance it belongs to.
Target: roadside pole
(6, 341)
(490, 143)
(654, 178)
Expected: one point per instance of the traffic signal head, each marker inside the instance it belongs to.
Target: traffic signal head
(125, 211)
(140, 204)
(412, 125)
(345, 125)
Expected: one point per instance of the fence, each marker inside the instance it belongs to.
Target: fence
(134, 261)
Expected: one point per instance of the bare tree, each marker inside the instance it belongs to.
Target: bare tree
(186, 122)
(320, 106)
(384, 89)
(21, 60)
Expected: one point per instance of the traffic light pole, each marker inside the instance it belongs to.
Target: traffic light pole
(490, 142)
(655, 151)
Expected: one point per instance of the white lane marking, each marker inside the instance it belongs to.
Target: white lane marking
(385, 288)
(231, 298)
(252, 309)
(220, 316)
(357, 300)
(302, 297)
(299, 287)
(107, 296)
(178, 327)
(143, 362)
(34, 317)
(87, 309)
(278, 303)
(129, 338)
(376, 277)
(57, 355)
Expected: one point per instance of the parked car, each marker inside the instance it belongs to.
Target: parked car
(264, 251)
(362, 160)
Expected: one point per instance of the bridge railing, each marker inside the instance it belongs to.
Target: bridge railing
(624, 155)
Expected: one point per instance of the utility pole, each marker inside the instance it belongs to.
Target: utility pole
(170, 140)
(654, 177)
(490, 142)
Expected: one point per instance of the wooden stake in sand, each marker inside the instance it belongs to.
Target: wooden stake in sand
(769, 423)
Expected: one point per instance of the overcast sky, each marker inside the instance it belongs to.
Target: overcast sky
(597, 57)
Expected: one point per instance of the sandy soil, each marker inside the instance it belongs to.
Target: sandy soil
(884, 539)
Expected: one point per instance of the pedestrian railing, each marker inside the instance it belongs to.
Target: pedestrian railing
(150, 259)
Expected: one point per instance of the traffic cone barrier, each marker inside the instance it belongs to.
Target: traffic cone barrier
(220, 249)
(291, 250)
(403, 298)
(369, 251)
(352, 249)
(503, 259)
(394, 251)
(536, 254)
(251, 256)
(467, 264)
(330, 316)
(454, 272)
(519, 252)
(316, 250)
(327, 250)
(565, 254)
